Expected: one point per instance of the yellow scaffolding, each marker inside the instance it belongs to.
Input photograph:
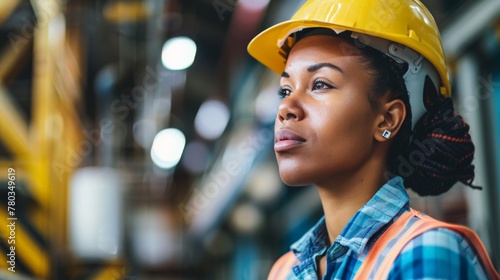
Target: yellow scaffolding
(38, 148)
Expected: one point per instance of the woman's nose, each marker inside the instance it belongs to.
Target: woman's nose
(290, 109)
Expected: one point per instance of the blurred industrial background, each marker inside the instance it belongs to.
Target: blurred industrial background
(138, 134)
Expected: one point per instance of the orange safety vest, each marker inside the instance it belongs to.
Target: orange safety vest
(284, 265)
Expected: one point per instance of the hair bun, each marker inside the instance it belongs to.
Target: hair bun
(440, 152)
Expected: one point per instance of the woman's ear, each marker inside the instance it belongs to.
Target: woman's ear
(393, 114)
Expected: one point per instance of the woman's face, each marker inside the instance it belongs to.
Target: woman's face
(325, 125)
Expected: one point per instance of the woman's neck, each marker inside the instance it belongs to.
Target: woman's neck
(343, 197)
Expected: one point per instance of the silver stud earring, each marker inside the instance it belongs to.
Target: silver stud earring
(386, 134)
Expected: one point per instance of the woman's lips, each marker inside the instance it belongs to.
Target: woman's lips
(286, 139)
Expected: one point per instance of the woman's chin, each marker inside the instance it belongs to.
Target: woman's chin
(294, 181)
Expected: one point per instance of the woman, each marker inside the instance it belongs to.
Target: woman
(366, 112)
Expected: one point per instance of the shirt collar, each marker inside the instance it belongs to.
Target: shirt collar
(371, 217)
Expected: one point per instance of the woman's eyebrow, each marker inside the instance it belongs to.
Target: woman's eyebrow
(316, 67)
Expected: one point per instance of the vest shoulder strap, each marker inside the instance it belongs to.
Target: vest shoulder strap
(423, 224)
(383, 241)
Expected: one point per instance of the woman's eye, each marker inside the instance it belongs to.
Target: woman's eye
(319, 85)
(284, 92)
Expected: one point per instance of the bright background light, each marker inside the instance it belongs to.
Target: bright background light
(178, 53)
(95, 213)
(211, 119)
(167, 148)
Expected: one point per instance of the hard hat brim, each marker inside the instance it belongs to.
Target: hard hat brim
(266, 47)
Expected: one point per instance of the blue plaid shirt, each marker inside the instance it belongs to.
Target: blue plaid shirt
(435, 254)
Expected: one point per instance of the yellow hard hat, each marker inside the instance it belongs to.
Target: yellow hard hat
(407, 23)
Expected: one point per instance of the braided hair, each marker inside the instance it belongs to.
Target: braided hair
(441, 150)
